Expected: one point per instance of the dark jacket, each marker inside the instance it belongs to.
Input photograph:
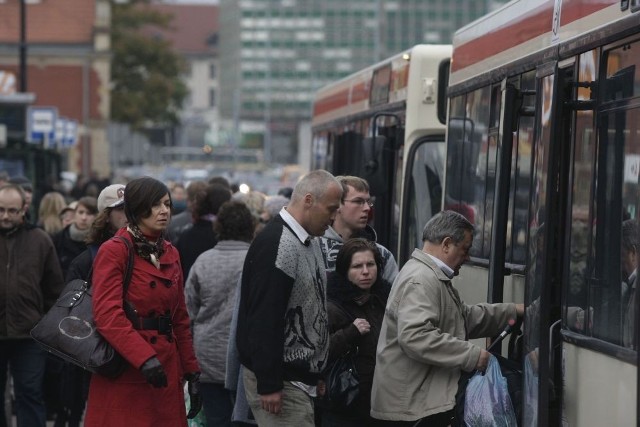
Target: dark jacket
(31, 279)
(81, 265)
(343, 309)
(67, 249)
(193, 242)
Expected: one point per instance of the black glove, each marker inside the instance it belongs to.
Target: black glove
(195, 399)
(153, 372)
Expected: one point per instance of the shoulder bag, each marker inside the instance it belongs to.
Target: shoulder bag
(341, 377)
(68, 329)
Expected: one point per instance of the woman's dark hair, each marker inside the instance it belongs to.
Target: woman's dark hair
(140, 195)
(352, 246)
(210, 200)
(90, 203)
(101, 229)
(234, 222)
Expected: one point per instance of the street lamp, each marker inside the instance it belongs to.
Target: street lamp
(23, 46)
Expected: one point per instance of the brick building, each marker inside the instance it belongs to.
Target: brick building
(68, 67)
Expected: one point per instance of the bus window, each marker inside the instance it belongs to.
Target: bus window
(518, 225)
(576, 314)
(617, 202)
(467, 162)
(490, 168)
(424, 192)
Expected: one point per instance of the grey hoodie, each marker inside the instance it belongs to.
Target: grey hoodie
(331, 243)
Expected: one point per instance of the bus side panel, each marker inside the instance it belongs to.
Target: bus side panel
(594, 396)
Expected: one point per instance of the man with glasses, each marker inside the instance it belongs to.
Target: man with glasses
(31, 282)
(352, 221)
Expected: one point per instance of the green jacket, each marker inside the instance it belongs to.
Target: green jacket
(423, 343)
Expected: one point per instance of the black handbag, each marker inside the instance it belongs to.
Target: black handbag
(343, 382)
(68, 329)
(341, 377)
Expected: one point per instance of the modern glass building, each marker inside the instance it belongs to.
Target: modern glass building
(274, 54)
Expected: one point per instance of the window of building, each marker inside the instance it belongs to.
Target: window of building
(212, 71)
(212, 97)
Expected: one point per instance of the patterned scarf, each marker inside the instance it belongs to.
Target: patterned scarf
(144, 248)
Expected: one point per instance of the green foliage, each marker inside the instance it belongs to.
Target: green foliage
(146, 86)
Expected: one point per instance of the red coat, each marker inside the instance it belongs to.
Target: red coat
(129, 400)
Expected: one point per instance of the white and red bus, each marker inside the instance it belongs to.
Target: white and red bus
(543, 155)
(386, 124)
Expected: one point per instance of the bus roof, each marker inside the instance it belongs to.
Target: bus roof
(352, 94)
(522, 28)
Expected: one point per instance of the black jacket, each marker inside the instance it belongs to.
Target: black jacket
(67, 249)
(193, 242)
(343, 309)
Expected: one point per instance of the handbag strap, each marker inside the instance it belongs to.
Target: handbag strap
(341, 308)
(129, 270)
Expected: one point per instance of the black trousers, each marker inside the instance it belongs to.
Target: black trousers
(443, 419)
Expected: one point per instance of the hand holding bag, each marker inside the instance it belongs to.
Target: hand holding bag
(487, 401)
(68, 329)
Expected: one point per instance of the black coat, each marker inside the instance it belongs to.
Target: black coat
(193, 242)
(67, 249)
(342, 310)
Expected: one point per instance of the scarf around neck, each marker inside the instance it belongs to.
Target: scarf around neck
(146, 249)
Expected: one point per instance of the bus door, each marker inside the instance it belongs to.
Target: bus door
(374, 158)
(542, 354)
(378, 165)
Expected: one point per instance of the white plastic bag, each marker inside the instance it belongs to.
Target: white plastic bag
(487, 401)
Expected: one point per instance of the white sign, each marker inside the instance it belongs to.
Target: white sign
(631, 168)
(555, 23)
(41, 124)
(61, 125)
(7, 83)
(70, 133)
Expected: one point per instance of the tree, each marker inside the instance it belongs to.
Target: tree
(147, 90)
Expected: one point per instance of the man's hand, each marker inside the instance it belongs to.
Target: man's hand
(483, 360)
(272, 403)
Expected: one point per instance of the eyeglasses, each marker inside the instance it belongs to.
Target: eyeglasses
(10, 211)
(359, 202)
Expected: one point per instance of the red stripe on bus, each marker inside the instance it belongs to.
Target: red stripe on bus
(528, 27)
(360, 92)
(332, 102)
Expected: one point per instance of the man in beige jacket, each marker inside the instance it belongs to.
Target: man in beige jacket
(423, 343)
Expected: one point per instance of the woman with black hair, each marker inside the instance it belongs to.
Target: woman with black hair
(357, 296)
(151, 331)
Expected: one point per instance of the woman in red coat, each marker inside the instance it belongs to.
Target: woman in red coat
(152, 333)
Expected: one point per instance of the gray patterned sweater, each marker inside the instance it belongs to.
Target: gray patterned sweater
(282, 320)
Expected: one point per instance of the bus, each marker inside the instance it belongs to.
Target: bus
(543, 156)
(385, 123)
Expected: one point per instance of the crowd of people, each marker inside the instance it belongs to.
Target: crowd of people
(238, 303)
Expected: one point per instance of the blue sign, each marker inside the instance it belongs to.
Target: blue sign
(41, 124)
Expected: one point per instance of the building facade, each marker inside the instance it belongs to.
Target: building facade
(67, 67)
(193, 34)
(274, 54)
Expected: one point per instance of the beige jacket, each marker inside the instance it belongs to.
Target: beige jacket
(423, 343)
